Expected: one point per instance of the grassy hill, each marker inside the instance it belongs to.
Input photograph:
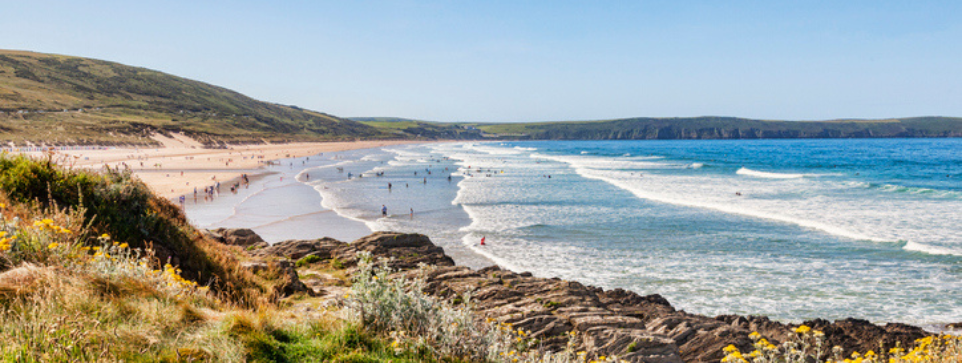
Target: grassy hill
(61, 99)
(724, 128)
(418, 128)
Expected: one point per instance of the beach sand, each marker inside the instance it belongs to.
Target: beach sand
(183, 164)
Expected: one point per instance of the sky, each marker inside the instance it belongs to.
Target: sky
(519, 61)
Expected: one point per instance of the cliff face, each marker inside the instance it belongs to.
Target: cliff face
(610, 322)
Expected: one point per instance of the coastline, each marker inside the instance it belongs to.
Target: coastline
(329, 220)
(183, 164)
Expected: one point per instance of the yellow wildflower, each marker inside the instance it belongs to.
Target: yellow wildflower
(53, 245)
(754, 335)
(802, 329)
(123, 245)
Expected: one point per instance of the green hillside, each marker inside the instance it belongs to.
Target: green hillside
(724, 128)
(60, 99)
(418, 128)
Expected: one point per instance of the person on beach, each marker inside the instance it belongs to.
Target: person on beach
(383, 210)
(412, 213)
(388, 186)
(482, 240)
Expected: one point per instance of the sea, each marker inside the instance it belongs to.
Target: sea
(790, 229)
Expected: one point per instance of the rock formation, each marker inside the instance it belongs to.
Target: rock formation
(235, 236)
(613, 322)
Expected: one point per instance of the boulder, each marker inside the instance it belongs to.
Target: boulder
(296, 249)
(237, 236)
(290, 283)
(407, 249)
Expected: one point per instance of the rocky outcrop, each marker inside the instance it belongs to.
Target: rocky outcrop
(406, 250)
(613, 322)
(325, 248)
(235, 236)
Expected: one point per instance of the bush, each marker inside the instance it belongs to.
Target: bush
(307, 260)
(415, 321)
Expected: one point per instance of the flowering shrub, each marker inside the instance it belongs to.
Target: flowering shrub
(47, 242)
(807, 347)
(416, 321)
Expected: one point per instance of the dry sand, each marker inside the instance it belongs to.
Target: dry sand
(183, 164)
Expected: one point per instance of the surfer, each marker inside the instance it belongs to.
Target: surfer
(383, 210)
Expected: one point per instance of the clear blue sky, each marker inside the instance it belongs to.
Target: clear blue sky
(531, 60)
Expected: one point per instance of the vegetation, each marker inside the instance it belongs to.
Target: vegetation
(725, 128)
(114, 203)
(77, 285)
(397, 307)
(421, 129)
(70, 100)
(808, 347)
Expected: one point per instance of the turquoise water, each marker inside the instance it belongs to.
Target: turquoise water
(793, 229)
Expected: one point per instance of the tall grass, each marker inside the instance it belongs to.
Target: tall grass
(115, 203)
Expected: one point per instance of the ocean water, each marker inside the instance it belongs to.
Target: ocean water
(792, 229)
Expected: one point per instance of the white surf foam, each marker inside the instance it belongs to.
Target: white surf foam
(732, 208)
(933, 250)
(768, 175)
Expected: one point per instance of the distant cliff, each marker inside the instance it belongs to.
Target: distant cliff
(725, 128)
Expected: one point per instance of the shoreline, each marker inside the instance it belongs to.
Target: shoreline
(182, 164)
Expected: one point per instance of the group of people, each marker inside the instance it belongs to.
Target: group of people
(211, 191)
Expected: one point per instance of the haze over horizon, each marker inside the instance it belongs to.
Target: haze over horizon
(502, 61)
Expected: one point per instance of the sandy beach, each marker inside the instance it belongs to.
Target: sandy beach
(183, 164)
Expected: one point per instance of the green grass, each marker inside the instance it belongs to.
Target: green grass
(122, 104)
(307, 260)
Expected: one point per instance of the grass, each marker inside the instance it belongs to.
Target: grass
(122, 104)
(112, 202)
